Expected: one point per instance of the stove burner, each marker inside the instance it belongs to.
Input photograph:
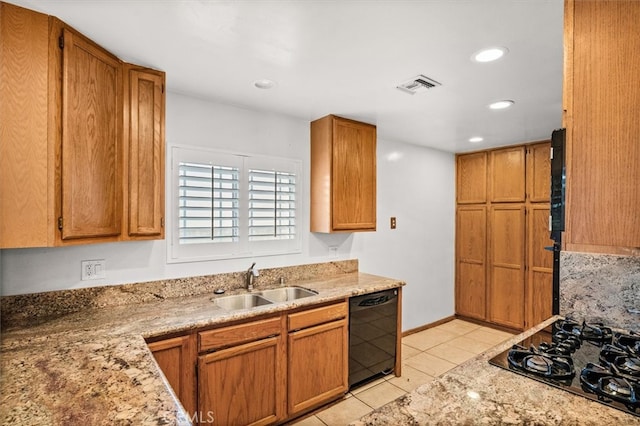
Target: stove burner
(596, 333)
(617, 386)
(568, 343)
(620, 362)
(538, 363)
(541, 364)
(628, 342)
(602, 382)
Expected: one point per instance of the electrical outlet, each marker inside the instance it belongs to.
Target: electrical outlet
(93, 269)
(393, 222)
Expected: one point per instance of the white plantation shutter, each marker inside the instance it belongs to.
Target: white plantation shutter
(209, 200)
(230, 206)
(272, 205)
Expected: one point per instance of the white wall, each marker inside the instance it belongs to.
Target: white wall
(414, 184)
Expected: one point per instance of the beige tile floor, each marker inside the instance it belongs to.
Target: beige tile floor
(425, 355)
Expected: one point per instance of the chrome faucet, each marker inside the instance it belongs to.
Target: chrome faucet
(251, 274)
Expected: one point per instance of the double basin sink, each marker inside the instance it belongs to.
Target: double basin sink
(263, 297)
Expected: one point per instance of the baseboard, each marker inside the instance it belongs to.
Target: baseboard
(428, 326)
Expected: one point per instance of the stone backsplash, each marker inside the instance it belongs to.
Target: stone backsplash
(37, 307)
(601, 288)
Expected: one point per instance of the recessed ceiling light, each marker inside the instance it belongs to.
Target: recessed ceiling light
(490, 54)
(476, 139)
(501, 104)
(264, 83)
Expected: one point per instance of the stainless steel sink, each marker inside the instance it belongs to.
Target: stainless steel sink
(285, 294)
(241, 301)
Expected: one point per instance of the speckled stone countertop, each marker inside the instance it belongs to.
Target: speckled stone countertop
(93, 367)
(478, 393)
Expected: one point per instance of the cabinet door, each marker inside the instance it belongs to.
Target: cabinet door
(506, 270)
(353, 176)
(507, 175)
(539, 172)
(471, 173)
(91, 140)
(146, 153)
(318, 369)
(176, 358)
(471, 250)
(539, 300)
(243, 385)
(603, 106)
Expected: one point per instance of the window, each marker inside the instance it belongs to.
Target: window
(229, 205)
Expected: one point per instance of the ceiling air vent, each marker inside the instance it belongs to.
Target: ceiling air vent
(418, 84)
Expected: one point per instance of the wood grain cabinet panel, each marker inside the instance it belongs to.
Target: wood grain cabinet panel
(316, 375)
(343, 175)
(539, 284)
(144, 132)
(471, 176)
(471, 257)
(176, 359)
(507, 265)
(91, 139)
(243, 385)
(507, 176)
(538, 173)
(24, 148)
(602, 106)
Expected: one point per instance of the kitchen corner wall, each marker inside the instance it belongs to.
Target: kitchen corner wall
(415, 184)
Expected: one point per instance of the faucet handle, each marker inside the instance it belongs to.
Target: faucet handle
(255, 272)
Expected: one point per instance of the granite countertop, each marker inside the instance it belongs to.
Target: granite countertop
(478, 393)
(94, 367)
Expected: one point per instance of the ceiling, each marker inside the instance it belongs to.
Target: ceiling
(346, 57)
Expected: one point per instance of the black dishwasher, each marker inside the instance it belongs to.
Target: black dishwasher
(372, 335)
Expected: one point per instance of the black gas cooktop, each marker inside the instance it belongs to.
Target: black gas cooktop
(587, 359)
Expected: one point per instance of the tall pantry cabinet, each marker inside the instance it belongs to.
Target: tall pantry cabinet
(81, 141)
(503, 272)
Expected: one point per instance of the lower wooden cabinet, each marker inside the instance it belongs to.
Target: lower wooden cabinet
(262, 371)
(243, 385)
(507, 265)
(176, 358)
(539, 284)
(471, 261)
(318, 360)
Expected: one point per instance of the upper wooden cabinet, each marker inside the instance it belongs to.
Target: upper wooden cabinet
(471, 173)
(602, 106)
(539, 172)
(144, 132)
(507, 175)
(68, 172)
(343, 175)
(91, 139)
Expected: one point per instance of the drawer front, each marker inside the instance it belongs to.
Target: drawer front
(316, 316)
(238, 334)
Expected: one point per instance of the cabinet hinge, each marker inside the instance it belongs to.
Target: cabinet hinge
(162, 222)
(61, 42)
(163, 88)
(60, 223)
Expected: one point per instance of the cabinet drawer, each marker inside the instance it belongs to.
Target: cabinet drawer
(317, 316)
(237, 334)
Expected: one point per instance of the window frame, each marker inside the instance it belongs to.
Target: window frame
(182, 253)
